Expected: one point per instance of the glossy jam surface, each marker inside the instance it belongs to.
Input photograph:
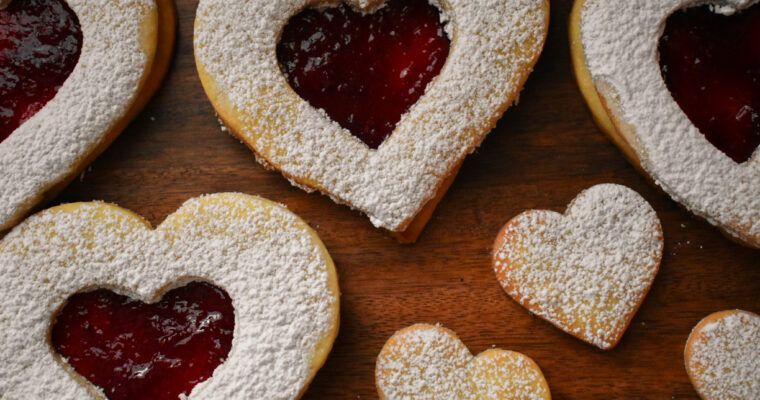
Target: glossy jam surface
(711, 64)
(40, 43)
(134, 350)
(365, 71)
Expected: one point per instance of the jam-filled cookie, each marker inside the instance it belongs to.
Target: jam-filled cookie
(430, 362)
(375, 103)
(586, 271)
(231, 297)
(73, 73)
(674, 83)
(723, 356)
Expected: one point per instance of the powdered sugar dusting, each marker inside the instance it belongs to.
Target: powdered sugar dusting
(620, 41)
(499, 374)
(725, 361)
(105, 82)
(424, 362)
(588, 270)
(491, 55)
(264, 256)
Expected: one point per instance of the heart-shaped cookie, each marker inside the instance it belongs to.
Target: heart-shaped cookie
(277, 273)
(73, 73)
(723, 356)
(683, 107)
(399, 184)
(430, 362)
(586, 271)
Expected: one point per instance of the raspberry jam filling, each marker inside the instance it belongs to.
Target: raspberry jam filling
(40, 43)
(711, 64)
(133, 351)
(364, 70)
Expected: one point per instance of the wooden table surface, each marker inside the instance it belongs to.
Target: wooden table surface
(542, 153)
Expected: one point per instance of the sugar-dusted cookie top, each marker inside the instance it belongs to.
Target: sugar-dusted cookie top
(723, 356)
(430, 362)
(280, 278)
(119, 39)
(490, 58)
(618, 52)
(586, 271)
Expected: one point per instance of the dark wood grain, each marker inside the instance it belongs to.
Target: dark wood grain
(542, 153)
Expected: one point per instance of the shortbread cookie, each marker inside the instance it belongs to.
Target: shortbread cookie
(233, 253)
(430, 362)
(586, 271)
(76, 73)
(723, 356)
(243, 68)
(673, 83)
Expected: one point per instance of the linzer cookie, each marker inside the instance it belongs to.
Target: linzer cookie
(74, 73)
(232, 297)
(374, 103)
(674, 84)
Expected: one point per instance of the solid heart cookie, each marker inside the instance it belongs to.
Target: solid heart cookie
(586, 271)
(72, 75)
(723, 356)
(675, 86)
(237, 44)
(430, 362)
(61, 267)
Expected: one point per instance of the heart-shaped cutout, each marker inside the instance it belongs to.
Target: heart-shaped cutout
(277, 273)
(430, 362)
(40, 43)
(723, 356)
(399, 184)
(711, 64)
(132, 350)
(586, 271)
(364, 70)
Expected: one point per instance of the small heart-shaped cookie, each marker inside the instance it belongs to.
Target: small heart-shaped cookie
(494, 46)
(587, 271)
(723, 356)
(430, 362)
(73, 74)
(279, 277)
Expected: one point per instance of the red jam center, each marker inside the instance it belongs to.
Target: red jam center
(40, 43)
(711, 64)
(365, 71)
(132, 350)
